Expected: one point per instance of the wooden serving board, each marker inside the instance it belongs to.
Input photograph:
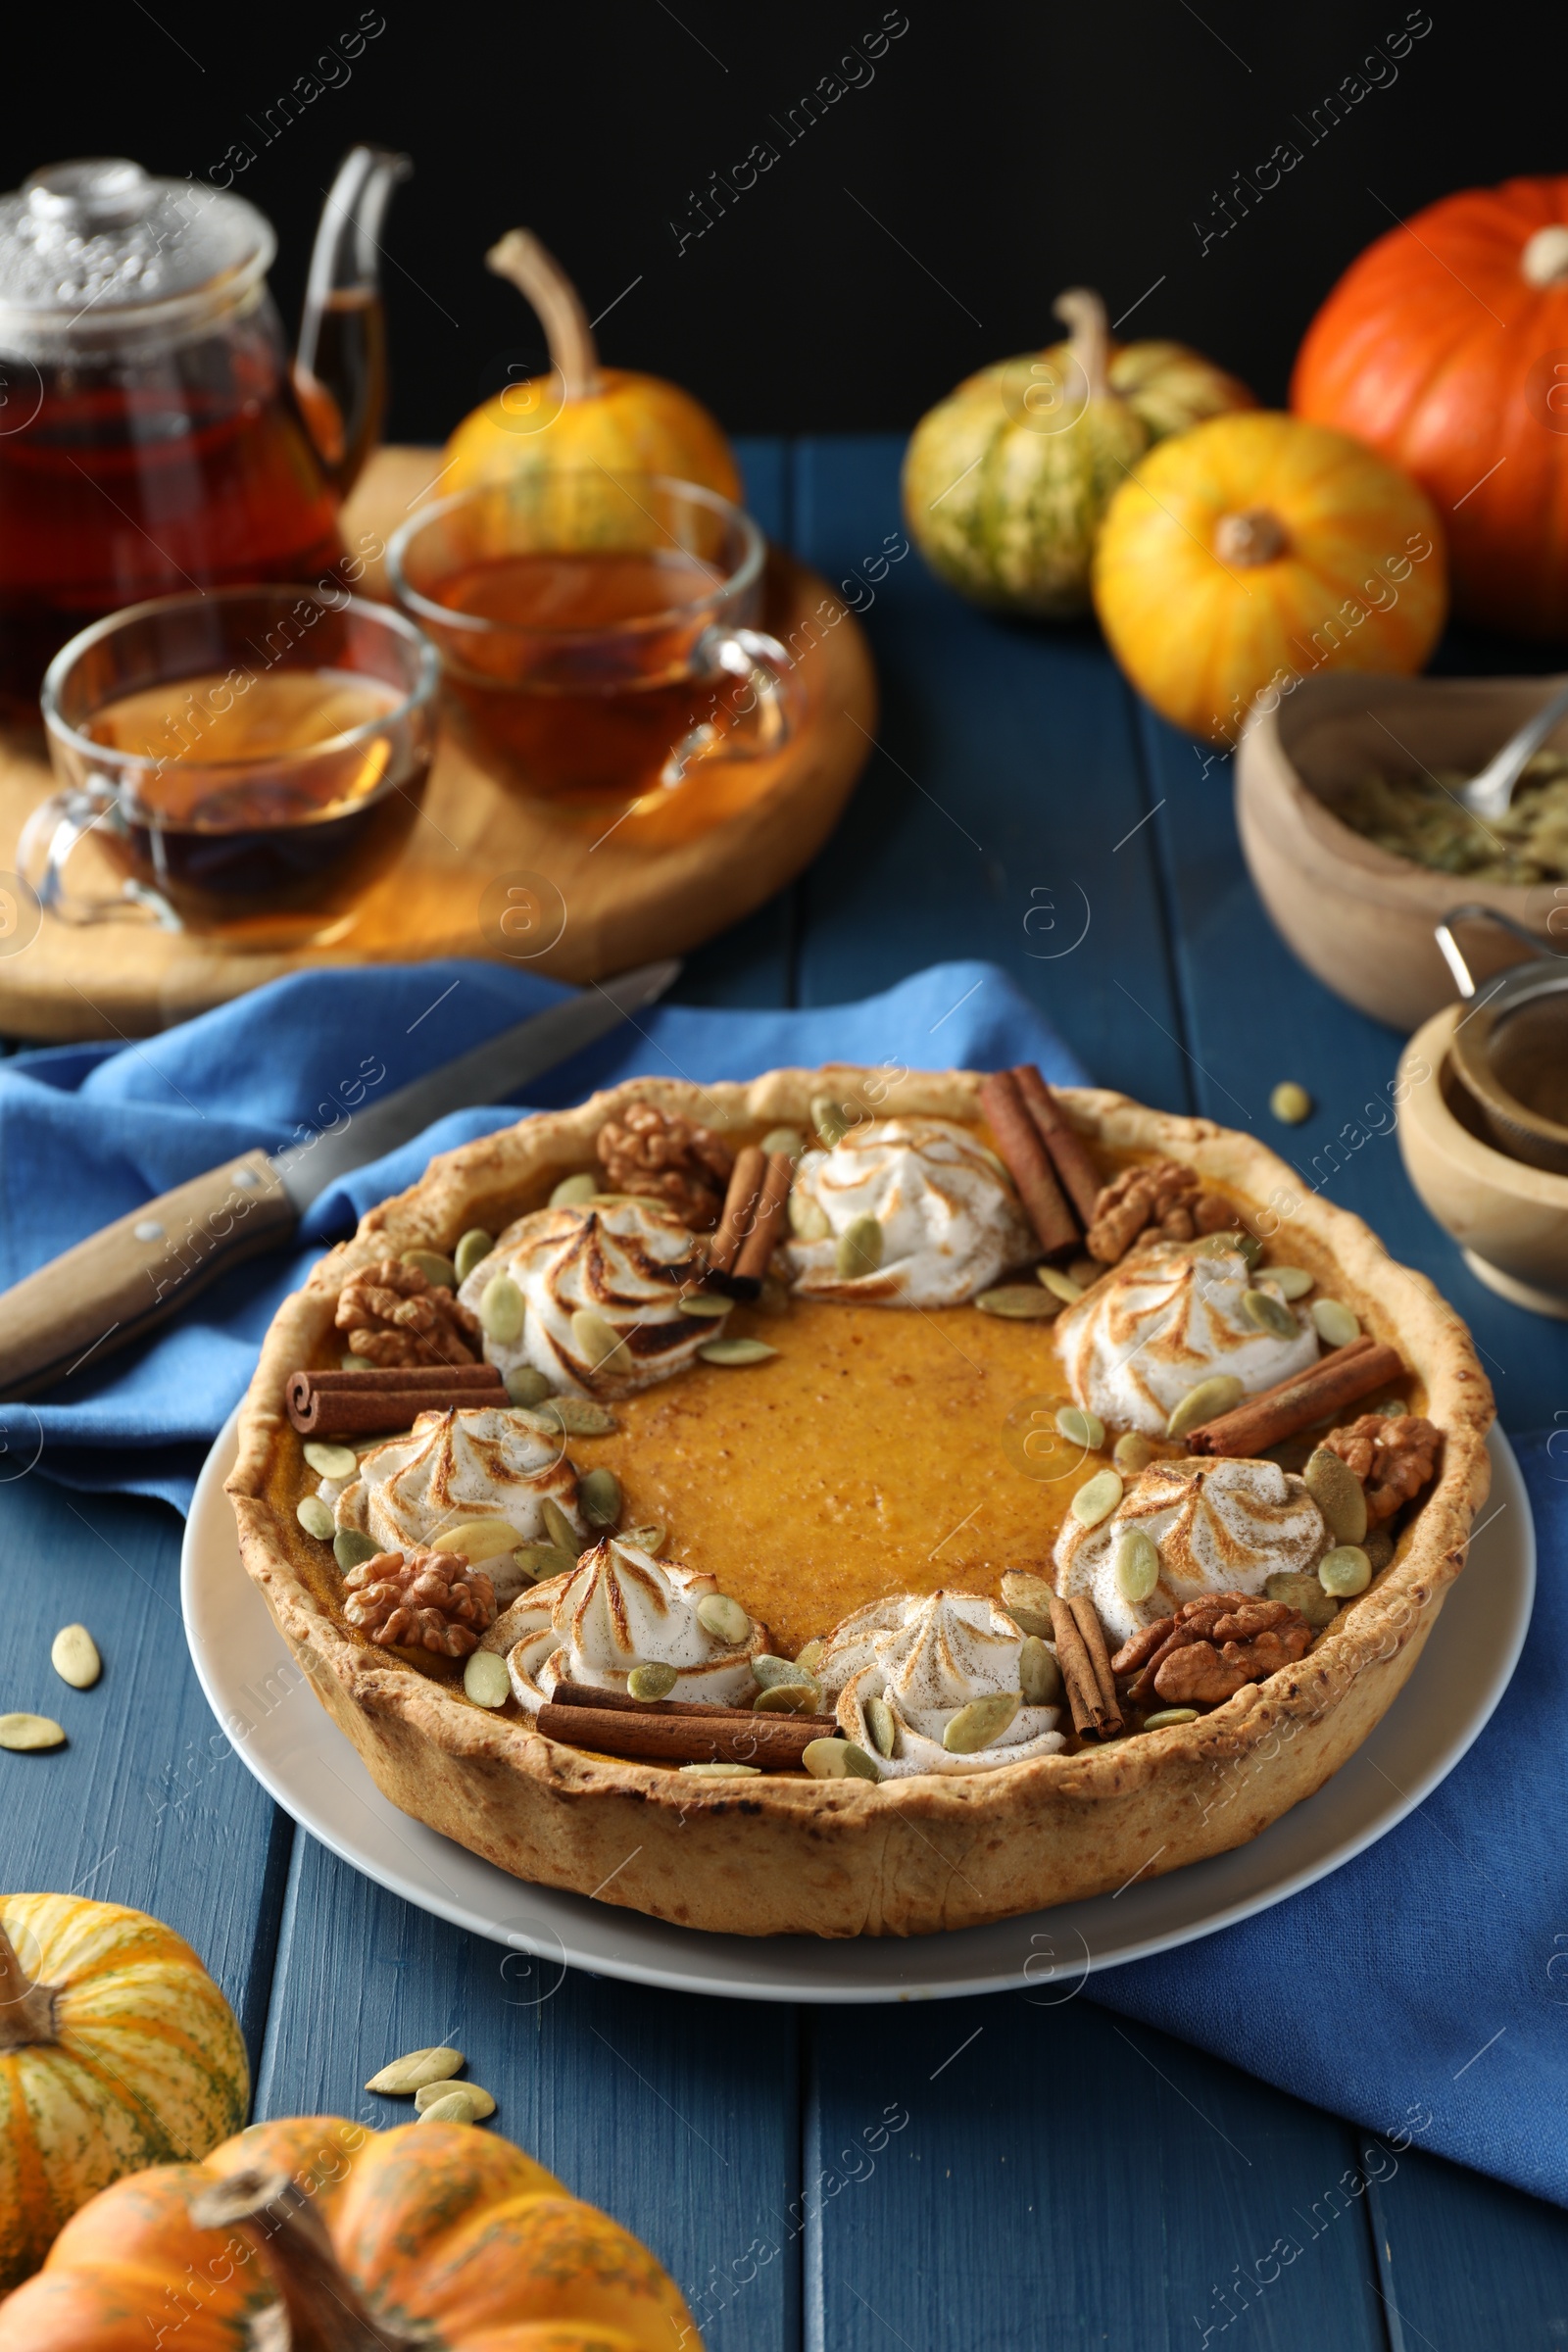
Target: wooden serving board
(658, 885)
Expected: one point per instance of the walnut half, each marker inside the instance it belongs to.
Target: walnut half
(421, 1599)
(666, 1157)
(1163, 1200)
(393, 1315)
(1393, 1456)
(1211, 1648)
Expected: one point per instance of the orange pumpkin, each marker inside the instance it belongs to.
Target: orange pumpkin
(1446, 346)
(433, 2234)
(1244, 555)
(580, 415)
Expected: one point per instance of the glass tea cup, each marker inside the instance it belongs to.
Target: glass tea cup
(596, 630)
(244, 763)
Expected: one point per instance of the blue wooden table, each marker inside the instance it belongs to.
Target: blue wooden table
(994, 2173)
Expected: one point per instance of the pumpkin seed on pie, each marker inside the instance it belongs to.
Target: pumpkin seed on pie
(315, 1517)
(500, 1311)
(804, 1698)
(655, 1680)
(1038, 1674)
(331, 1461)
(1019, 1302)
(1345, 1571)
(724, 1618)
(351, 1548)
(1027, 1600)
(1338, 1493)
(474, 1246)
(1080, 1428)
(735, 1352)
(784, 1139)
(1270, 1314)
(525, 1386)
(1290, 1282)
(435, 1268)
(882, 1724)
(478, 1539)
(1137, 1565)
(860, 1250)
(599, 1497)
(651, 1538)
(573, 1191)
(1096, 1499)
(838, 1761)
(541, 1561)
(1205, 1403)
(559, 1529)
(703, 1307)
(485, 1679)
(1060, 1286)
(1336, 1324)
(981, 1722)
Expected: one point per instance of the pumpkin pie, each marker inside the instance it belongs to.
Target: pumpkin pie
(855, 1503)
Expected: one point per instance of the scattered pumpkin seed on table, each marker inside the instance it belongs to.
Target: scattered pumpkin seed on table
(500, 1311)
(655, 1680)
(724, 1618)
(485, 1679)
(1080, 1428)
(74, 1656)
(479, 2100)
(475, 1244)
(454, 2107)
(1019, 1302)
(1335, 1322)
(402, 2077)
(351, 1548)
(25, 1733)
(433, 1266)
(735, 1352)
(838, 1761)
(330, 1461)
(315, 1517)
(573, 1191)
(1291, 1103)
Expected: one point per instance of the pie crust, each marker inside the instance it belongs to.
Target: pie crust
(786, 1854)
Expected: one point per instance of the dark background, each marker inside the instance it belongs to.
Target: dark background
(917, 231)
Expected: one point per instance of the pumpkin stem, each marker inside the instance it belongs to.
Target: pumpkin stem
(325, 2311)
(1544, 259)
(539, 277)
(1083, 314)
(1256, 535)
(27, 2009)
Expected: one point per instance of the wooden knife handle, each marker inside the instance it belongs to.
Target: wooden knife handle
(119, 1283)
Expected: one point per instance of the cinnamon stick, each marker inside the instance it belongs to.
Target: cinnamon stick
(1028, 1163)
(767, 1227)
(776, 1739)
(1069, 1154)
(1077, 1670)
(343, 1404)
(620, 1702)
(745, 1187)
(1326, 1387)
(1086, 1618)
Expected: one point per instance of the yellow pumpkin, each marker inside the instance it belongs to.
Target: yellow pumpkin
(580, 415)
(433, 2235)
(1006, 480)
(1256, 551)
(116, 2050)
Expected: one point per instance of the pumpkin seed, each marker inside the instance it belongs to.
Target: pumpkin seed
(734, 1352)
(810, 1657)
(433, 1266)
(1338, 1495)
(860, 1250)
(651, 1538)
(1027, 1601)
(1038, 1674)
(705, 1307)
(1345, 1571)
(1137, 1565)
(767, 1670)
(595, 1340)
(315, 1517)
(722, 1771)
(784, 1139)
(804, 1698)
(1205, 1403)
(1290, 1282)
(1290, 1103)
(830, 1119)
(724, 1618)
(1162, 1720)
(581, 1416)
(525, 1386)
(1378, 1545)
(1251, 1247)
(500, 1311)
(573, 1191)
(808, 1219)
(1391, 1408)
(454, 2107)
(838, 1761)
(1019, 1302)
(1097, 1499)
(544, 1560)
(656, 1680)
(599, 1497)
(405, 2076)
(474, 1246)
(27, 1732)
(74, 1656)
(559, 1527)
(1132, 1452)
(479, 2100)
(331, 1461)
(1304, 1593)
(981, 1722)
(1335, 1322)
(351, 1548)
(355, 1363)
(882, 1725)
(1270, 1314)
(1060, 1286)
(1080, 1428)
(478, 1539)
(485, 1679)
(1212, 1244)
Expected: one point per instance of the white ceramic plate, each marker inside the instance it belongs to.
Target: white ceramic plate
(301, 1758)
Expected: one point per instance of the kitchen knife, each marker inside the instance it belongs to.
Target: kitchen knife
(115, 1286)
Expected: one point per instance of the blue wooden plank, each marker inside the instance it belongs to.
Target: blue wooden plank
(1462, 2259)
(149, 1804)
(678, 2116)
(1001, 816)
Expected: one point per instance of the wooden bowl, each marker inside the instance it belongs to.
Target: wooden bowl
(1510, 1219)
(1360, 918)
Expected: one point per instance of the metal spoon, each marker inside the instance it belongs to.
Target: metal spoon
(1490, 793)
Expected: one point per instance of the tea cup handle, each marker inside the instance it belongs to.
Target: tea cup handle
(54, 830)
(758, 721)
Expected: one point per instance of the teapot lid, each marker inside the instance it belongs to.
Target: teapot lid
(103, 242)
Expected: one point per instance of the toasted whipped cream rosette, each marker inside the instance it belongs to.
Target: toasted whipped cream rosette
(625, 1261)
(1166, 1318)
(622, 1608)
(950, 1221)
(927, 1655)
(478, 1463)
(1219, 1526)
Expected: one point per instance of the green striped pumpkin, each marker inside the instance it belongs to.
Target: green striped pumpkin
(1006, 480)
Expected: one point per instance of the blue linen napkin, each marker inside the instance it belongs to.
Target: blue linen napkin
(1419, 1990)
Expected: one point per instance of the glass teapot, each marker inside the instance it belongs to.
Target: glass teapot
(153, 433)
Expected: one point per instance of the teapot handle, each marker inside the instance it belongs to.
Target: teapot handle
(340, 368)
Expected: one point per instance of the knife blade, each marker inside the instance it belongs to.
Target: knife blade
(111, 1288)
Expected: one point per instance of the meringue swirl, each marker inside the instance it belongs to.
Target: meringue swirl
(481, 1462)
(950, 1221)
(1218, 1526)
(625, 1260)
(1164, 1319)
(927, 1655)
(622, 1608)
